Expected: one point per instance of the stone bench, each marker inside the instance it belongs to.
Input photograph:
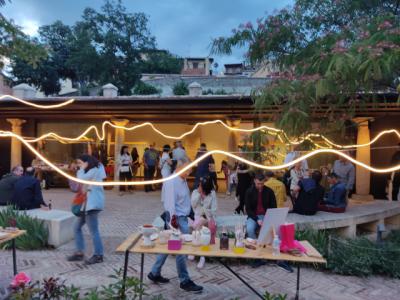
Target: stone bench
(359, 217)
(60, 224)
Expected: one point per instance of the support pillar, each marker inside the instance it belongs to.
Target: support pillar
(16, 149)
(234, 137)
(118, 142)
(363, 154)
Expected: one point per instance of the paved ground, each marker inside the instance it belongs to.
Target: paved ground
(124, 214)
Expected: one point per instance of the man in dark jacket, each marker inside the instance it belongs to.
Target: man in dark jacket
(311, 193)
(258, 199)
(7, 183)
(27, 192)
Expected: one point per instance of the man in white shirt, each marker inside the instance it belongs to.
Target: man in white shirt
(178, 204)
(179, 154)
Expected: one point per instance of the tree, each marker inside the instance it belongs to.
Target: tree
(14, 41)
(330, 53)
(106, 46)
(142, 88)
(161, 62)
(181, 88)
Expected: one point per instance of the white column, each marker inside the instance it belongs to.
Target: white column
(363, 154)
(119, 142)
(16, 149)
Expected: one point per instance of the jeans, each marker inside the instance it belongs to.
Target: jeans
(252, 226)
(92, 220)
(149, 175)
(125, 176)
(180, 259)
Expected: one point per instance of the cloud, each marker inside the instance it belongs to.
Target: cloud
(184, 27)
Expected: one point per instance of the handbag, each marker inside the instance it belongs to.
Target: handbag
(125, 169)
(78, 207)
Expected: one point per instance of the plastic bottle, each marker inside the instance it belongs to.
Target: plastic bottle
(276, 246)
(50, 205)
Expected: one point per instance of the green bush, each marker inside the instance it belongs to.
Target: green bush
(359, 256)
(36, 232)
(181, 88)
(142, 88)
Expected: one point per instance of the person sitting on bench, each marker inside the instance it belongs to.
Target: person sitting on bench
(310, 194)
(27, 192)
(335, 201)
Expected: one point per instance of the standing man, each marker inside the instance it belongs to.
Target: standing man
(7, 183)
(179, 154)
(345, 172)
(150, 158)
(203, 167)
(178, 205)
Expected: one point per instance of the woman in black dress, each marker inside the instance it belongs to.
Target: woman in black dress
(244, 182)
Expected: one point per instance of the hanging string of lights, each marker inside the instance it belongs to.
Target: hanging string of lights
(196, 161)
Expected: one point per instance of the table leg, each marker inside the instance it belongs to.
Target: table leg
(298, 283)
(241, 279)
(141, 274)
(14, 254)
(125, 272)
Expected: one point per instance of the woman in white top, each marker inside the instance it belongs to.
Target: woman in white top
(124, 163)
(165, 162)
(204, 204)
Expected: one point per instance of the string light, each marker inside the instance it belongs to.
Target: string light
(196, 161)
(65, 103)
(269, 130)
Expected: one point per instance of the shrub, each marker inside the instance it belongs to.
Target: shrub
(359, 256)
(36, 232)
(142, 88)
(53, 288)
(181, 88)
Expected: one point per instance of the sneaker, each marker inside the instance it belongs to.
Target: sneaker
(157, 279)
(76, 257)
(95, 259)
(284, 266)
(190, 286)
(201, 263)
(190, 257)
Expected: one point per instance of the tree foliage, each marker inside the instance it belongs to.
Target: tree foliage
(14, 42)
(106, 46)
(181, 88)
(142, 88)
(330, 53)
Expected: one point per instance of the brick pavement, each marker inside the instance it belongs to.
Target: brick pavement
(124, 214)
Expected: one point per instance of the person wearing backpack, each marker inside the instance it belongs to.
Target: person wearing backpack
(310, 194)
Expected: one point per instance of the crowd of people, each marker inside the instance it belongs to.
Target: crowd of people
(305, 191)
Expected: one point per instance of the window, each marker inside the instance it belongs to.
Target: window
(195, 65)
